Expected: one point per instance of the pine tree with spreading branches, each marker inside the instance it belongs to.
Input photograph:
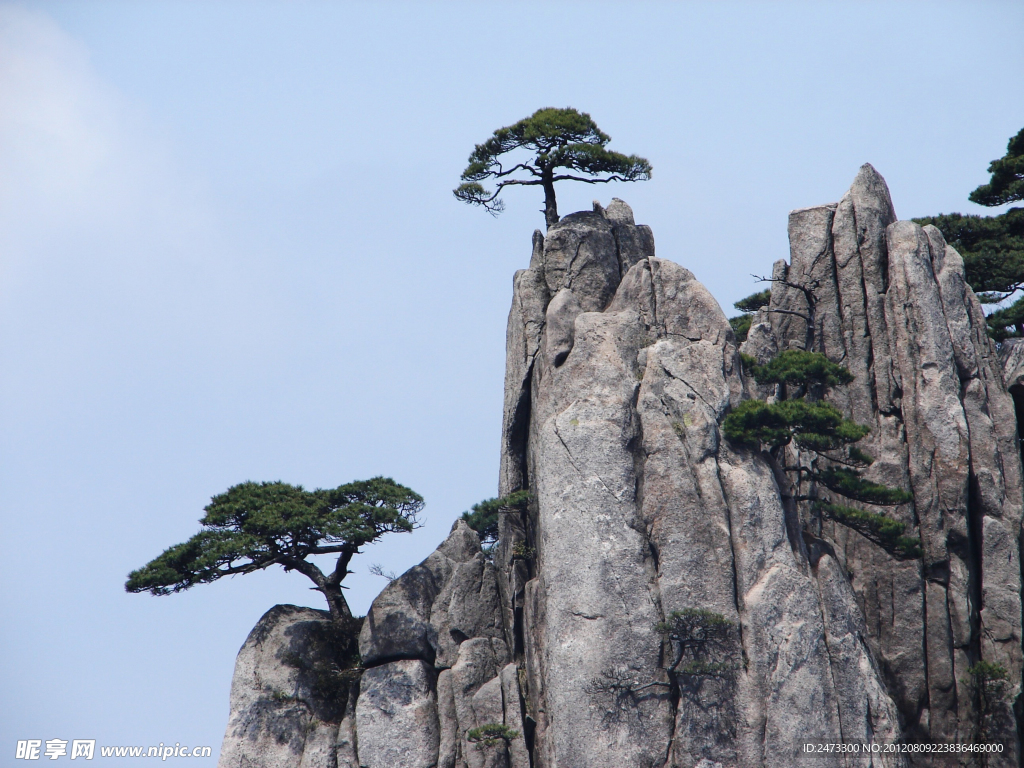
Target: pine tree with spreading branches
(557, 139)
(253, 526)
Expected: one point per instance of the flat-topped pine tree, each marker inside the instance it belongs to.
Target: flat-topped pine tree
(553, 140)
(253, 526)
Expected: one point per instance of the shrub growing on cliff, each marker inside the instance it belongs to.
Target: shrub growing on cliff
(253, 526)
(558, 138)
(828, 458)
(993, 246)
(491, 734)
(748, 306)
(484, 515)
(990, 684)
(703, 642)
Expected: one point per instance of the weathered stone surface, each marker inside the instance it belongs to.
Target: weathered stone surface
(621, 367)
(512, 700)
(458, 630)
(449, 751)
(398, 623)
(283, 715)
(477, 694)
(445, 612)
(396, 716)
(427, 611)
(1011, 354)
(345, 750)
(639, 510)
(468, 606)
(892, 306)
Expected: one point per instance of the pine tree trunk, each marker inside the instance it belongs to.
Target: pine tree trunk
(329, 587)
(550, 206)
(340, 612)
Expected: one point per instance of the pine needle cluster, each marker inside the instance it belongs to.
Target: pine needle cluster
(993, 246)
(703, 642)
(748, 306)
(483, 517)
(834, 463)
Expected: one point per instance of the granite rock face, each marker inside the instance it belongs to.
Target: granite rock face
(891, 304)
(436, 657)
(614, 397)
(282, 713)
(435, 665)
(396, 716)
(620, 370)
(1011, 353)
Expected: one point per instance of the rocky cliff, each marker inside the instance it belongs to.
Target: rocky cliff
(892, 306)
(620, 369)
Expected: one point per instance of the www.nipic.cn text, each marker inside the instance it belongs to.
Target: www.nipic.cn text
(54, 749)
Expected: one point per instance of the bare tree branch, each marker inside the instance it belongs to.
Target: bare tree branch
(801, 315)
(519, 167)
(378, 570)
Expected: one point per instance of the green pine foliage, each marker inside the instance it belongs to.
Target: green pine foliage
(1007, 322)
(741, 326)
(993, 246)
(819, 428)
(748, 306)
(849, 483)
(990, 676)
(553, 139)
(483, 517)
(798, 368)
(990, 683)
(253, 526)
(491, 734)
(703, 642)
(883, 531)
(697, 625)
(1007, 182)
(755, 301)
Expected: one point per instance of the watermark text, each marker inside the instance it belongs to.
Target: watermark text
(85, 749)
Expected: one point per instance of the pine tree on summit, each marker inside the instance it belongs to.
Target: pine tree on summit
(560, 138)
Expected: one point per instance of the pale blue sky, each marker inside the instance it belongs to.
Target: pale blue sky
(229, 251)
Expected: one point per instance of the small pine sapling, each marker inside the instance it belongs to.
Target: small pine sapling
(990, 683)
(491, 735)
(703, 642)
